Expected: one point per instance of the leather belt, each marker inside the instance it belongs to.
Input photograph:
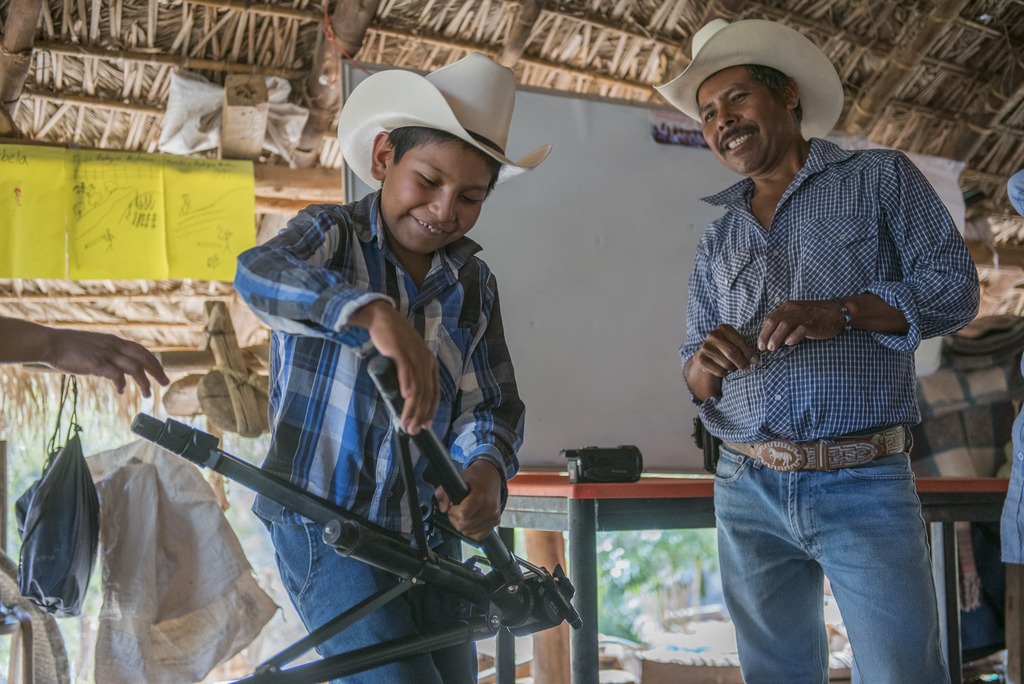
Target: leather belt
(826, 454)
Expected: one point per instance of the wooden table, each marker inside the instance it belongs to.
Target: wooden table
(548, 501)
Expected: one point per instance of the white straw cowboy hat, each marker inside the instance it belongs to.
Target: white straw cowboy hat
(472, 99)
(720, 45)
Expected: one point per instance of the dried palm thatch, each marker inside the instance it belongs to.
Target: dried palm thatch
(29, 406)
(944, 78)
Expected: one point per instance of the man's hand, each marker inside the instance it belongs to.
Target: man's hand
(723, 351)
(479, 513)
(79, 353)
(396, 338)
(794, 321)
(87, 353)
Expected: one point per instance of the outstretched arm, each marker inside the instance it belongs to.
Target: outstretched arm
(79, 352)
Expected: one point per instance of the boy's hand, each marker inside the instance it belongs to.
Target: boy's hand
(396, 338)
(479, 513)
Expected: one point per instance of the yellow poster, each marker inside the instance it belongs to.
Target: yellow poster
(211, 216)
(116, 223)
(104, 215)
(33, 201)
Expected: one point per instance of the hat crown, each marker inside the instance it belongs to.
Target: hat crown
(705, 33)
(481, 94)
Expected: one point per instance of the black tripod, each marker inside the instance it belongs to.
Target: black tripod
(514, 595)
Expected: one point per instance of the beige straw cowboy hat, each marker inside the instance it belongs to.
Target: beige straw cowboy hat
(472, 99)
(720, 45)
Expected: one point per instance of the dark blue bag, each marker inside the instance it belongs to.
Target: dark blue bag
(58, 520)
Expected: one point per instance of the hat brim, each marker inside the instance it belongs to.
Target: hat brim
(394, 99)
(767, 43)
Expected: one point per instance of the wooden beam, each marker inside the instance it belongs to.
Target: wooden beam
(157, 58)
(243, 116)
(868, 105)
(288, 207)
(551, 646)
(282, 182)
(347, 30)
(94, 102)
(1008, 256)
(16, 56)
(465, 46)
(522, 26)
(202, 360)
(261, 9)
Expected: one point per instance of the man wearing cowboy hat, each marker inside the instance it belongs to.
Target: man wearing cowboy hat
(1012, 524)
(393, 272)
(807, 300)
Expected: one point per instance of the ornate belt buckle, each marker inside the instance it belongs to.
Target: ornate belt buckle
(782, 455)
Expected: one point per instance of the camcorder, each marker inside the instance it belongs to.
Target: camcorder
(604, 464)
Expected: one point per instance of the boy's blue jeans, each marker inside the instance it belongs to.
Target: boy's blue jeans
(322, 584)
(780, 534)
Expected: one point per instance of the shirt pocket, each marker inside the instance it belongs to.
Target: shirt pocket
(838, 256)
(452, 355)
(739, 280)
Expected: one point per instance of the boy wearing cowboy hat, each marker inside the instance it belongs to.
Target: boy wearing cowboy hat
(394, 272)
(806, 303)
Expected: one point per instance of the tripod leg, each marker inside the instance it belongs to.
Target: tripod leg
(329, 629)
(374, 656)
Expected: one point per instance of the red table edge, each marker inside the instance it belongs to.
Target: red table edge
(548, 483)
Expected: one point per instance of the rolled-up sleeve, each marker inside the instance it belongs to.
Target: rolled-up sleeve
(939, 292)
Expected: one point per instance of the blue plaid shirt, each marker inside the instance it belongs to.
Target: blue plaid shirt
(331, 432)
(850, 222)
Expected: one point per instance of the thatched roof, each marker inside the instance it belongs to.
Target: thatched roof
(944, 78)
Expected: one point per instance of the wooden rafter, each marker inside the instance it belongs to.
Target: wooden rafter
(526, 19)
(164, 59)
(349, 23)
(16, 56)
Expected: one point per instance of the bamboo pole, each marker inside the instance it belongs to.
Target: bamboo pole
(3, 496)
(526, 18)
(16, 56)
(347, 31)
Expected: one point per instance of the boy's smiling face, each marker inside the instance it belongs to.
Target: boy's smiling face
(430, 198)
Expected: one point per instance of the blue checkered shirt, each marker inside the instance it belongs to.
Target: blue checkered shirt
(850, 222)
(331, 433)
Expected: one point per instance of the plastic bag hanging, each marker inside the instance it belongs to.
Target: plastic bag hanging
(58, 520)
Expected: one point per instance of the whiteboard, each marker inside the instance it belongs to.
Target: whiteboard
(592, 252)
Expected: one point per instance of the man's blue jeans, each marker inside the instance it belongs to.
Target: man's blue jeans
(322, 584)
(780, 534)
